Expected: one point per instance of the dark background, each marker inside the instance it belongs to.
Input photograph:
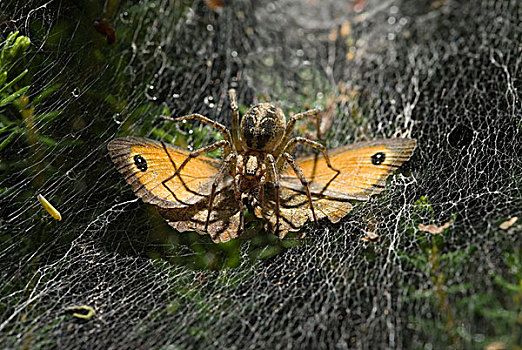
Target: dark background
(444, 72)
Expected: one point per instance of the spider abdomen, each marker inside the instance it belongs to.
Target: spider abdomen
(262, 127)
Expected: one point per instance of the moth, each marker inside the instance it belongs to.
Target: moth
(196, 193)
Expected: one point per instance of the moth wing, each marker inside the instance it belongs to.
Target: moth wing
(146, 164)
(224, 219)
(364, 168)
(294, 210)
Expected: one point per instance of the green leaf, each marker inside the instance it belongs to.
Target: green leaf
(20, 46)
(45, 93)
(14, 81)
(13, 96)
(47, 141)
(5, 50)
(48, 116)
(3, 78)
(8, 140)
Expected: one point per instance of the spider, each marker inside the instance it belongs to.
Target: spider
(256, 151)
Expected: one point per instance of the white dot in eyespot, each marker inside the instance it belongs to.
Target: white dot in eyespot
(378, 158)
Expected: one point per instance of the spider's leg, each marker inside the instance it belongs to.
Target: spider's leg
(235, 120)
(241, 216)
(217, 179)
(275, 179)
(223, 143)
(218, 126)
(236, 186)
(291, 124)
(293, 142)
(262, 179)
(262, 182)
(303, 180)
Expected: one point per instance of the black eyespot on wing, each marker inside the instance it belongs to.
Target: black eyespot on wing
(378, 158)
(140, 162)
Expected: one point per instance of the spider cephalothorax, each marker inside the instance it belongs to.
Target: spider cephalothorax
(255, 152)
(262, 127)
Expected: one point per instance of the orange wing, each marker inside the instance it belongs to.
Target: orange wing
(145, 164)
(182, 201)
(364, 168)
(224, 219)
(294, 210)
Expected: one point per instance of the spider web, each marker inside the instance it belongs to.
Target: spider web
(446, 73)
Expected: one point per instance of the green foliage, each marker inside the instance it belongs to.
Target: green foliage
(13, 48)
(454, 303)
(18, 112)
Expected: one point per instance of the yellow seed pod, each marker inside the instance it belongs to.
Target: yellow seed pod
(49, 208)
(84, 312)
